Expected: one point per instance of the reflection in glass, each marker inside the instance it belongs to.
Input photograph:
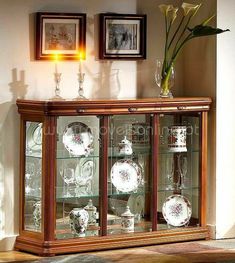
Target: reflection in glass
(179, 171)
(33, 177)
(170, 173)
(77, 184)
(129, 175)
(182, 168)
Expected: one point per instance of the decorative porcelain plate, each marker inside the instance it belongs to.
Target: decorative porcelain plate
(84, 172)
(34, 136)
(177, 210)
(126, 175)
(78, 139)
(136, 203)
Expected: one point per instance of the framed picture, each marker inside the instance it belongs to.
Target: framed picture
(122, 36)
(60, 33)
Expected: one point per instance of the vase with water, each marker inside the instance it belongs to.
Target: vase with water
(164, 78)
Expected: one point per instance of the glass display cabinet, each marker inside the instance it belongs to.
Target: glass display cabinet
(99, 174)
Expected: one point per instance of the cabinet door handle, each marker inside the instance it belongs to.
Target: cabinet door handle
(132, 109)
(80, 110)
(181, 107)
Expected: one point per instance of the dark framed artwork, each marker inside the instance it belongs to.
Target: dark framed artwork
(60, 33)
(122, 36)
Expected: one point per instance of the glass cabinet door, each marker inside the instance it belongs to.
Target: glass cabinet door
(77, 184)
(179, 171)
(129, 174)
(33, 177)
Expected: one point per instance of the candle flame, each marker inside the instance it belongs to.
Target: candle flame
(56, 57)
(80, 55)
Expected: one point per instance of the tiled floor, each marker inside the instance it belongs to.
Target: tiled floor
(220, 251)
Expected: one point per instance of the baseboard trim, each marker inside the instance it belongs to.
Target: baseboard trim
(7, 243)
(212, 231)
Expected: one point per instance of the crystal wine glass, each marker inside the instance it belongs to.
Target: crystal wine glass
(68, 176)
(170, 173)
(29, 177)
(182, 168)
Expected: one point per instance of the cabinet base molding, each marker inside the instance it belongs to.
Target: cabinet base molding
(51, 248)
(7, 242)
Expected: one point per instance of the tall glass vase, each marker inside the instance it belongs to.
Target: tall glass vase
(164, 80)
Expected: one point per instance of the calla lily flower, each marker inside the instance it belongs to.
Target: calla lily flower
(173, 14)
(183, 33)
(190, 8)
(165, 9)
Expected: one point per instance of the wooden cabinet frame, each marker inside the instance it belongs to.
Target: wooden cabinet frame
(45, 243)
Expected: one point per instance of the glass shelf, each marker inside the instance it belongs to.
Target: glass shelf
(114, 151)
(36, 155)
(64, 156)
(74, 192)
(129, 193)
(70, 199)
(75, 197)
(162, 152)
(140, 226)
(33, 197)
(191, 188)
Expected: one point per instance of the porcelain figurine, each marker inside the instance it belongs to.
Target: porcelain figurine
(79, 221)
(125, 147)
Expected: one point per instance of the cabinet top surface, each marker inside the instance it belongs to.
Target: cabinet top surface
(58, 107)
(114, 101)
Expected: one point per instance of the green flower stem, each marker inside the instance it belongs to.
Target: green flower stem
(167, 67)
(177, 30)
(181, 35)
(165, 52)
(175, 55)
(165, 83)
(168, 70)
(168, 28)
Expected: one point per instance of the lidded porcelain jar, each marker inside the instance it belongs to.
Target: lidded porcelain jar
(127, 221)
(92, 212)
(125, 147)
(177, 138)
(78, 221)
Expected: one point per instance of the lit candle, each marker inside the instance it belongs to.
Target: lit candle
(80, 56)
(56, 58)
(80, 66)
